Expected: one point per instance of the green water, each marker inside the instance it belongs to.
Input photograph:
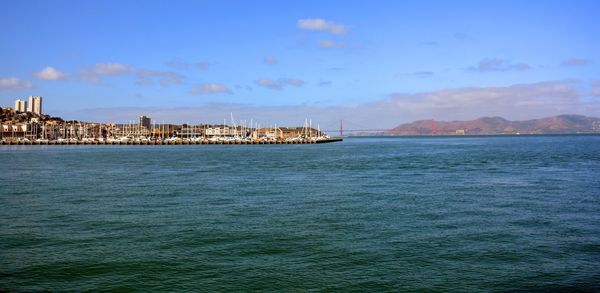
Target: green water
(366, 214)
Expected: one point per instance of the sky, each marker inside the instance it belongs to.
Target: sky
(373, 64)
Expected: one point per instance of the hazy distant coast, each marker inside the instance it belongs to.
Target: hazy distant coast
(562, 124)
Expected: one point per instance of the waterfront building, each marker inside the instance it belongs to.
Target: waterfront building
(268, 132)
(145, 122)
(35, 105)
(219, 130)
(131, 130)
(15, 130)
(191, 131)
(20, 105)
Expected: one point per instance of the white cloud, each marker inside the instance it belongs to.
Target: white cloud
(493, 64)
(271, 60)
(328, 44)
(50, 73)
(211, 88)
(318, 24)
(278, 84)
(13, 83)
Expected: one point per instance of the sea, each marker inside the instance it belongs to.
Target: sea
(382, 214)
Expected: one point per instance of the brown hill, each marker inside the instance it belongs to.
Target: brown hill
(499, 125)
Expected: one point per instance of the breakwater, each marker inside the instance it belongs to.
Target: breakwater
(165, 142)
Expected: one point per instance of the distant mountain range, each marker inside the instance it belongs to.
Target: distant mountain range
(499, 125)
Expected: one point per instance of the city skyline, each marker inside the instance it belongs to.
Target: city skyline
(375, 65)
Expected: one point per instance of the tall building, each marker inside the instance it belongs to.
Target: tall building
(20, 105)
(35, 105)
(145, 122)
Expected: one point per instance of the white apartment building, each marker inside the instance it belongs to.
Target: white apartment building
(220, 130)
(20, 105)
(35, 105)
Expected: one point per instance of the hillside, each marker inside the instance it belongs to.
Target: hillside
(499, 125)
(7, 115)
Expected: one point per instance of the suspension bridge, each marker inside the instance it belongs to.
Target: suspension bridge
(346, 127)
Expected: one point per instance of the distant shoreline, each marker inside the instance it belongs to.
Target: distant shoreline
(472, 135)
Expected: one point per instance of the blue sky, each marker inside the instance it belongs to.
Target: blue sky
(375, 63)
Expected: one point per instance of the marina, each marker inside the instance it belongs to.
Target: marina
(24, 125)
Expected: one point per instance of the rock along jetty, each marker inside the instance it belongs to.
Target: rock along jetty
(167, 142)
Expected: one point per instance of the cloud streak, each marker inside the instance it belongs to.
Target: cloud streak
(201, 65)
(100, 70)
(423, 73)
(278, 84)
(182, 65)
(575, 62)
(595, 91)
(329, 44)
(271, 60)
(111, 69)
(13, 83)
(324, 83)
(178, 64)
(493, 64)
(210, 89)
(165, 78)
(463, 37)
(319, 24)
(293, 82)
(429, 44)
